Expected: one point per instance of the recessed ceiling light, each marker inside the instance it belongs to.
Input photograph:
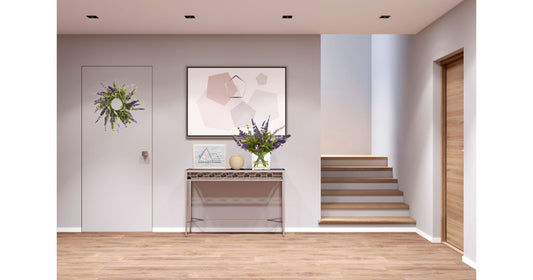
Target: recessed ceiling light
(286, 16)
(384, 16)
(190, 17)
(92, 16)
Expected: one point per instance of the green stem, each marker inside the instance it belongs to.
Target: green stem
(260, 158)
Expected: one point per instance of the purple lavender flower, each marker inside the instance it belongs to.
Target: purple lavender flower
(259, 141)
(256, 130)
(264, 126)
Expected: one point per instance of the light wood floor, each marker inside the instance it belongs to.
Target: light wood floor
(256, 256)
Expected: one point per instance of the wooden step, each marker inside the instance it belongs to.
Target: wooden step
(356, 168)
(358, 180)
(353, 160)
(365, 206)
(362, 192)
(352, 157)
(365, 220)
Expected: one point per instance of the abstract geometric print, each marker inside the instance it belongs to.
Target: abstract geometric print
(222, 99)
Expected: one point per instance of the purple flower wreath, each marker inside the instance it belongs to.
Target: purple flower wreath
(110, 114)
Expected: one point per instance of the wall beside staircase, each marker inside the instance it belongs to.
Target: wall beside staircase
(389, 60)
(345, 94)
(415, 121)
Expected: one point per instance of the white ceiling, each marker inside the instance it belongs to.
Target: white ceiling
(248, 16)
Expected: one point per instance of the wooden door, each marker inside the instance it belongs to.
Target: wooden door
(453, 151)
(116, 177)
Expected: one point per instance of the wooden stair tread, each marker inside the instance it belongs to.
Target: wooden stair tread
(356, 168)
(347, 157)
(362, 192)
(365, 220)
(357, 180)
(336, 205)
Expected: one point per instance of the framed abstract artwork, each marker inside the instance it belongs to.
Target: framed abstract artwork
(209, 156)
(221, 99)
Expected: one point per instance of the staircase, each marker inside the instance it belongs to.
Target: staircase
(360, 190)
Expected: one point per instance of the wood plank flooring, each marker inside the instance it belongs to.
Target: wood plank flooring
(395, 256)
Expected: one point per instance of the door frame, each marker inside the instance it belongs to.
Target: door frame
(444, 62)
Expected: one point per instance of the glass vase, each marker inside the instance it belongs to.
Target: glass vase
(261, 162)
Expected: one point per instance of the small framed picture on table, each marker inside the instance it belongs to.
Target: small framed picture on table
(209, 156)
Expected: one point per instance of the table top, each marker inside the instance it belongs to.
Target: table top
(234, 170)
(274, 174)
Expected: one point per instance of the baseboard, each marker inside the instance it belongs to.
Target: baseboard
(428, 237)
(69, 229)
(469, 262)
(168, 229)
(289, 229)
(215, 229)
(236, 229)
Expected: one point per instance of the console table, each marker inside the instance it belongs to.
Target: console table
(229, 175)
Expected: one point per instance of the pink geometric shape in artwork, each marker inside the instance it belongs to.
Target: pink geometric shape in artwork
(261, 79)
(231, 87)
(213, 114)
(218, 88)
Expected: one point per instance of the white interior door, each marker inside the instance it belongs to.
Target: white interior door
(116, 178)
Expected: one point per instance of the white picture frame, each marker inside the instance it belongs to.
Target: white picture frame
(209, 156)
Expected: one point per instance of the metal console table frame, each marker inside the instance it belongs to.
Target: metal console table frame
(230, 175)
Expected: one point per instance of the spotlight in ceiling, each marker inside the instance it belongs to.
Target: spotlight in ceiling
(384, 16)
(286, 16)
(92, 16)
(190, 17)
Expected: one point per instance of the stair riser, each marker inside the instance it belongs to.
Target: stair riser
(359, 186)
(359, 174)
(354, 162)
(364, 213)
(351, 198)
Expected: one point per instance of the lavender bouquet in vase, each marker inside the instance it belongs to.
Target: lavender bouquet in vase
(260, 142)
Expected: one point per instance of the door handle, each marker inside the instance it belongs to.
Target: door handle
(144, 154)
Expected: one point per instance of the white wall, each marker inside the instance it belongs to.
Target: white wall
(389, 61)
(346, 93)
(416, 120)
(170, 55)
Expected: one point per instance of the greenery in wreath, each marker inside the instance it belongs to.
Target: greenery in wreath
(116, 103)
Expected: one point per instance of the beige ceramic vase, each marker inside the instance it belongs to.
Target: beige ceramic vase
(236, 162)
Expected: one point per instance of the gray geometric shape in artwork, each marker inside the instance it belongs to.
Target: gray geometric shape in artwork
(236, 87)
(242, 114)
(265, 103)
(261, 79)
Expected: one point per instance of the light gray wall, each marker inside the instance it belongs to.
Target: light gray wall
(389, 62)
(346, 94)
(416, 120)
(170, 55)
